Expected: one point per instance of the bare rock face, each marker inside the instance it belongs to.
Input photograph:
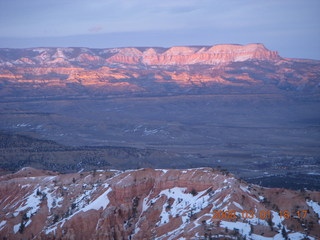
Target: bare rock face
(195, 55)
(38, 72)
(151, 204)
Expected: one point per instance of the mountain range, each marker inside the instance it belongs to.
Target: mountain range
(77, 113)
(241, 107)
(75, 72)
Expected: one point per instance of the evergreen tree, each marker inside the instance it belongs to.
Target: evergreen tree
(284, 233)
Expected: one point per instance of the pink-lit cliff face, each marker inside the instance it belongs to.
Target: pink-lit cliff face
(194, 55)
(132, 70)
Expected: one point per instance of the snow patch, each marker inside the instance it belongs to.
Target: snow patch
(245, 189)
(32, 202)
(298, 236)
(244, 228)
(53, 229)
(315, 206)
(238, 205)
(53, 200)
(276, 219)
(162, 170)
(2, 223)
(48, 179)
(184, 203)
(101, 202)
(254, 199)
(148, 132)
(16, 228)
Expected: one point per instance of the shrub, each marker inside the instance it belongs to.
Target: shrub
(194, 192)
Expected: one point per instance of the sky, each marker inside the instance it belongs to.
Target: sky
(291, 27)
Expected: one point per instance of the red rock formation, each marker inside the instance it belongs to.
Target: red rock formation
(192, 55)
(148, 204)
(59, 70)
(126, 55)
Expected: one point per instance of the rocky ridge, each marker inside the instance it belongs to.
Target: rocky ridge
(146, 56)
(151, 204)
(194, 55)
(83, 71)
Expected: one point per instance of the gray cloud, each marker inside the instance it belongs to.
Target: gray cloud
(95, 29)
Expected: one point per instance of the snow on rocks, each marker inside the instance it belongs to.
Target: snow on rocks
(315, 206)
(144, 204)
(101, 202)
(2, 223)
(30, 203)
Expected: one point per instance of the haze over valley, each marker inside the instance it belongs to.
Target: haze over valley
(242, 108)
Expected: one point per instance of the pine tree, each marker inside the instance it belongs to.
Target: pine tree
(22, 227)
(284, 233)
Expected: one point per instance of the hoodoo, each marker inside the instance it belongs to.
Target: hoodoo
(150, 204)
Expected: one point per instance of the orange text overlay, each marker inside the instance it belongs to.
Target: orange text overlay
(261, 215)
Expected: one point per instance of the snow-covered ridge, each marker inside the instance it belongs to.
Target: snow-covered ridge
(150, 204)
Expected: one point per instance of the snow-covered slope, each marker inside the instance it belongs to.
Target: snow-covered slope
(151, 204)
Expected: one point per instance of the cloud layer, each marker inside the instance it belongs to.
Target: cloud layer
(236, 21)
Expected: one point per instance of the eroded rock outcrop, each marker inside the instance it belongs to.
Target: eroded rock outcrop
(61, 72)
(151, 204)
(195, 55)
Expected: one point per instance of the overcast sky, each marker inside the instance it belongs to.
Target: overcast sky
(291, 27)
